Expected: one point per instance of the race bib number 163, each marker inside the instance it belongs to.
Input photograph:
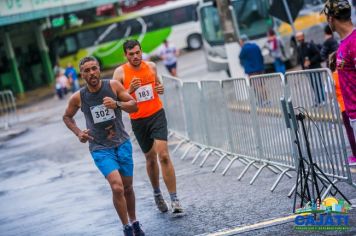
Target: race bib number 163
(144, 93)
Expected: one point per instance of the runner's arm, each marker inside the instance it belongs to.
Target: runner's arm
(126, 101)
(119, 76)
(71, 110)
(159, 86)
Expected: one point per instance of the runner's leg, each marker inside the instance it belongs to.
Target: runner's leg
(119, 201)
(168, 172)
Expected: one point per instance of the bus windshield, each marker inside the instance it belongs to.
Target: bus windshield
(252, 17)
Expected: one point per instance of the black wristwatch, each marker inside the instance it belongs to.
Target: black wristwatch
(118, 104)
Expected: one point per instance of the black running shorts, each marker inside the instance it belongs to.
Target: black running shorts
(148, 129)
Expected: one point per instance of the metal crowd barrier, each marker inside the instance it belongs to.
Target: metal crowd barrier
(239, 119)
(175, 110)
(273, 139)
(313, 93)
(8, 114)
(240, 124)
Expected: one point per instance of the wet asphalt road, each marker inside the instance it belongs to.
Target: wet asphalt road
(49, 186)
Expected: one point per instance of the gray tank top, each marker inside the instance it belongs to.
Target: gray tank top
(105, 124)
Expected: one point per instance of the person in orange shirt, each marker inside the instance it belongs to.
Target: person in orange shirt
(149, 123)
(340, 100)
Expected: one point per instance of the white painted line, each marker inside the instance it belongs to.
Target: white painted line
(253, 226)
(260, 225)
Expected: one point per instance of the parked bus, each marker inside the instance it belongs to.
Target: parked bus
(175, 21)
(253, 20)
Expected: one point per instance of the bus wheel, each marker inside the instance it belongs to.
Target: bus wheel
(293, 60)
(194, 41)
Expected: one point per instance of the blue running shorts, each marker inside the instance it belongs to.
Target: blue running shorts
(119, 158)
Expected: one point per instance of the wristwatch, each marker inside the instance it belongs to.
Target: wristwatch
(118, 104)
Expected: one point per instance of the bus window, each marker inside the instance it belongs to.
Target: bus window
(171, 17)
(155, 21)
(86, 38)
(65, 46)
(211, 26)
(252, 17)
(108, 33)
(132, 26)
(180, 15)
(71, 44)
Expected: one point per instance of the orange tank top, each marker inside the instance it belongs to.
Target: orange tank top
(148, 101)
(338, 91)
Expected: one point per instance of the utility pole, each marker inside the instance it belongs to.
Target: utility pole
(232, 46)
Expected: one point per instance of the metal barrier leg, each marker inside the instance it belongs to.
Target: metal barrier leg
(186, 151)
(280, 169)
(245, 162)
(197, 155)
(272, 168)
(279, 179)
(328, 189)
(178, 146)
(292, 190)
(229, 165)
(218, 163)
(206, 157)
(245, 170)
(258, 173)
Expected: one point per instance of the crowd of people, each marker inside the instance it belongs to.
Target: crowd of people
(312, 56)
(65, 80)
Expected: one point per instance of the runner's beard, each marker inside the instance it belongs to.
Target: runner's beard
(93, 81)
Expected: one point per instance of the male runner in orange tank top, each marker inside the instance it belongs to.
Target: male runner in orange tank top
(149, 123)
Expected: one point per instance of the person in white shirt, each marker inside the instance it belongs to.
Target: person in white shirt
(169, 54)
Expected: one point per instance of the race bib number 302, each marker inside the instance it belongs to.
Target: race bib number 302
(144, 93)
(100, 114)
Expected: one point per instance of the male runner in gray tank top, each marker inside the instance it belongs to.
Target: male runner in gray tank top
(109, 144)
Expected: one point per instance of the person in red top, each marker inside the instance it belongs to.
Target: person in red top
(149, 123)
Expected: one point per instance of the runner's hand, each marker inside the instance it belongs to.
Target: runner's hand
(84, 136)
(109, 103)
(135, 84)
(159, 88)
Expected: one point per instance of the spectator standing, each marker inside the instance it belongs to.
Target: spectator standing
(276, 50)
(72, 75)
(251, 60)
(330, 45)
(62, 84)
(251, 57)
(309, 58)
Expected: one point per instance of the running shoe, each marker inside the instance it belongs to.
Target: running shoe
(161, 203)
(176, 207)
(128, 231)
(137, 229)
